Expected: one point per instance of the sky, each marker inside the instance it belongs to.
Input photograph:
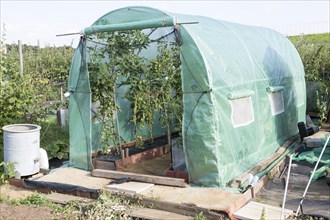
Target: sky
(40, 21)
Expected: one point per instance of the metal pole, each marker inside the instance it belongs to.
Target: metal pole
(20, 57)
(310, 179)
(286, 188)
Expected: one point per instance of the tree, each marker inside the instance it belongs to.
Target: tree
(314, 51)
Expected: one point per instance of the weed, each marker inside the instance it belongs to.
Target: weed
(259, 200)
(108, 206)
(200, 216)
(4, 199)
(263, 214)
(6, 171)
(72, 210)
(270, 176)
(34, 199)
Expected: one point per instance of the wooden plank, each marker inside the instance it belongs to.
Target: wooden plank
(139, 177)
(276, 169)
(253, 210)
(243, 177)
(179, 208)
(155, 214)
(65, 198)
(183, 209)
(101, 164)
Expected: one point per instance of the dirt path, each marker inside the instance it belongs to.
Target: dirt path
(25, 212)
(22, 211)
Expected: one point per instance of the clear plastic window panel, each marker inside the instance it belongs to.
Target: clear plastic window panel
(241, 111)
(276, 102)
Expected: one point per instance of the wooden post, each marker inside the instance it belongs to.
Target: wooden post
(20, 57)
(122, 154)
(126, 152)
(62, 95)
(168, 136)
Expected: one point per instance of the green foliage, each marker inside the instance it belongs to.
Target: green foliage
(31, 98)
(263, 214)
(106, 64)
(54, 139)
(270, 176)
(71, 210)
(20, 102)
(34, 199)
(314, 51)
(108, 206)
(311, 38)
(4, 198)
(6, 171)
(153, 85)
(200, 216)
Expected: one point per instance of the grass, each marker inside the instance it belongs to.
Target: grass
(34, 199)
(107, 206)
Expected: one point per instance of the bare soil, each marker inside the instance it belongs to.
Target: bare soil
(25, 212)
(13, 192)
(22, 211)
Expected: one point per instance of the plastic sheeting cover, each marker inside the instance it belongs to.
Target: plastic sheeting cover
(221, 62)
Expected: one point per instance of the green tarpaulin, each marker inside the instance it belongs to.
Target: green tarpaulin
(244, 93)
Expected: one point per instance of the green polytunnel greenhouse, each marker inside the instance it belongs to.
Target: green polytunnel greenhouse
(243, 91)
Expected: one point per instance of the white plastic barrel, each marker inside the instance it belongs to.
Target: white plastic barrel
(21, 146)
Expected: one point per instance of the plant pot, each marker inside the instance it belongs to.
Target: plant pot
(62, 117)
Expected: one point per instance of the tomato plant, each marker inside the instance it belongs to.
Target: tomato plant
(154, 85)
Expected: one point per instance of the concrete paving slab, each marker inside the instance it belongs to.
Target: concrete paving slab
(130, 187)
(253, 210)
(209, 198)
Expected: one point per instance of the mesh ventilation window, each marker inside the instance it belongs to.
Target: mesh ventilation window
(241, 111)
(276, 102)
